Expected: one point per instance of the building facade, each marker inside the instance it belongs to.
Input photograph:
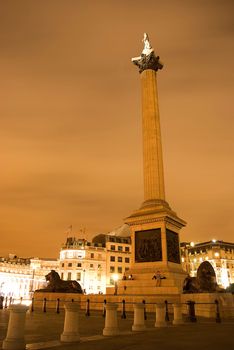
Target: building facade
(84, 262)
(20, 277)
(97, 264)
(219, 253)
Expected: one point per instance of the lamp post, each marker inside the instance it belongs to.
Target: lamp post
(84, 281)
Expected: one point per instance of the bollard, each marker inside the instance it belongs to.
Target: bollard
(21, 299)
(123, 310)
(104, 308)
(57, 306)
(145, 316)
(10, 301)
(15, 331)
(218, 318)
(1, 302)
(44, 305)
(87, 313)
(5, 302)
(32, 305)
(191, 311)
(71, 324)
(166, 312)
(139, 317)
(178, 318)
(111, 321)
(160, 316)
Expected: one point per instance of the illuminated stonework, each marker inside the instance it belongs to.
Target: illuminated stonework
(84, 262)
(95, 264)
(20, 277)
(220, 254)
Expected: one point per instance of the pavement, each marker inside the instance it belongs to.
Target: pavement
(43, 330)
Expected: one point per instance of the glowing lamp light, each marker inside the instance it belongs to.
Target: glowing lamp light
(216, 254)
(192, 244)
(115, 277)
(213, 240)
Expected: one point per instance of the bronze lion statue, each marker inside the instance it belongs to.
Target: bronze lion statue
(204, 282)
(56, 285)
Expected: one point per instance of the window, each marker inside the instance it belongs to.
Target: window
(99, 266)
(112, 269)
(127, 260)
(112, 281)
(126, 249)
(62, 264)
(91, 266)
(119, 269)
(69, 276)
(112, 247)
(78, 276)
(120, 248)
(79, 265)
(62, 276)
(120, 259)
(92, 255)
(69, 264)
(126, 268)
(112, 258)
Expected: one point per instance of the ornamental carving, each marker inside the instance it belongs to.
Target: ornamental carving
(173, 248)
(148, 62)
(148, 245)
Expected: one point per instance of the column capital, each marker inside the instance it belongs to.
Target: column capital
(147, 62)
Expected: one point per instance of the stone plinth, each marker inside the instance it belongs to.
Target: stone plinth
(160, 315)
(139, 318)
(177, 312)
(111, 321)
(15, 332)
(71, 323)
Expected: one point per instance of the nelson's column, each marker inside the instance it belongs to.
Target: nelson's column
(154, 227)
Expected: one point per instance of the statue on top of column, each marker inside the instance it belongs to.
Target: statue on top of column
(147, 60)
(147, 46)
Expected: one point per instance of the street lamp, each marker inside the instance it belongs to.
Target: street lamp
(84, 281)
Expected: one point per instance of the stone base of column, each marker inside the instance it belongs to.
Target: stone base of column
(14, 344)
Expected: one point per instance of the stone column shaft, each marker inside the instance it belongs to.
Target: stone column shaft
(152, 146)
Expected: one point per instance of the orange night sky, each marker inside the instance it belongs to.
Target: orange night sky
(70, 110)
